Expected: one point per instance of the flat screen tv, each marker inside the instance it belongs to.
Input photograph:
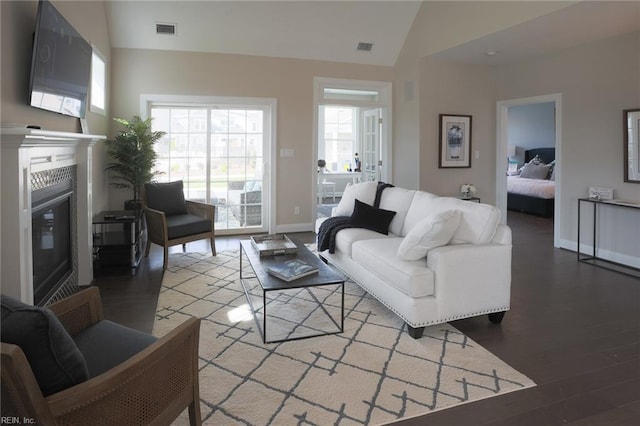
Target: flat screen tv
(60, 65)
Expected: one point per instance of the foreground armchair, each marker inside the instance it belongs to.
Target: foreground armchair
(64, 376)
(172, 220)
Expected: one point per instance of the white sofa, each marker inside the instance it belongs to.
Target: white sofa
(464, 276)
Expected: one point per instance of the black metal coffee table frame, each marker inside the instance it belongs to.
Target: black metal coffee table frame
(326, 276)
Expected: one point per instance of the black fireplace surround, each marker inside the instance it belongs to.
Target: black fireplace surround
(51, 239)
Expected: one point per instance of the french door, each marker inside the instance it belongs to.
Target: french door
(371, 160)
(219, 151)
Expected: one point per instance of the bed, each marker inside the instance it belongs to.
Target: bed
(533, 195)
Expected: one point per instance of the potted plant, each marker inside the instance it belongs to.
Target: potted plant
(133, 157)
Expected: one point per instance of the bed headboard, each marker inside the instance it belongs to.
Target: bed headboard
(546, 154)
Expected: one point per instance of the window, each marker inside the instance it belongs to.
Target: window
(339, 137)
(98, 82)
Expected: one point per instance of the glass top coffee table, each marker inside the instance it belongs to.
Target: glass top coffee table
(305, 307)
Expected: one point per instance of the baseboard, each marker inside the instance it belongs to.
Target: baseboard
(609, 255)
(295, 227)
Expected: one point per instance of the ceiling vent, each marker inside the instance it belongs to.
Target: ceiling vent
(169, 29)
(365, 47)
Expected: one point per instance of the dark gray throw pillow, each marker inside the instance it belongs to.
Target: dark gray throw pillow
(533, 171)
(55, 360)
(369, 217)
(167, 197)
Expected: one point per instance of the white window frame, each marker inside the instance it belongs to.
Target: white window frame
(95, 53)
(269, 167)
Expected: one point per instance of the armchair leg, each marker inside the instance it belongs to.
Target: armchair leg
(184, 247)
(165, 262)
(195, 418)
(213, 245)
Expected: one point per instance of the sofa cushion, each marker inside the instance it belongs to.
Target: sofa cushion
(187, 224)
(363, 191)
(378, 256)
(168, 197)
(55, 360)
(431, 232)
(399, 201)
(478, 222)
(107, 344)
(369, 217)
(345, 238)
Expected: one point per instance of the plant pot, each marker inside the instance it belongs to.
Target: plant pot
(133, 205)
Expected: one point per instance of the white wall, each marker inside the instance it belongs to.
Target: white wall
(18, 25)
(597, 81)
(290, 81)
(451, 88)
(531, 126)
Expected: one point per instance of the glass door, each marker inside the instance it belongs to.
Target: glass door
(218, 151)
(371, 145)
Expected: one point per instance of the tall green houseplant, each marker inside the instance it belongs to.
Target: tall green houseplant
(132, 155)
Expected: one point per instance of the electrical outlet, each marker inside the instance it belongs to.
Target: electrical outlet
(296, 210)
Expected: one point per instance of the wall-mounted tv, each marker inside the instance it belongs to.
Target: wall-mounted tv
(60, 65)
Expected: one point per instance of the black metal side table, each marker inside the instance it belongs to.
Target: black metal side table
(593, 258)
(119, 238)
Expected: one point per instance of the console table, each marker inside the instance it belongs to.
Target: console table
(593, 258)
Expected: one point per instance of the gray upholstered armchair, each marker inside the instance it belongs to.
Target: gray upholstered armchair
(172, 220)
(66, 364)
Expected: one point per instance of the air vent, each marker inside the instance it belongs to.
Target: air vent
(169, 29)
(365, 47)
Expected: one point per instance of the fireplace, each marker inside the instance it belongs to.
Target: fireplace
(51, 236)
(46, 203)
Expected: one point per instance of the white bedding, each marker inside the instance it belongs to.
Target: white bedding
(532, 187)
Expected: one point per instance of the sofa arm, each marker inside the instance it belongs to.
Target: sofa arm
(79, 311)
(471, 278)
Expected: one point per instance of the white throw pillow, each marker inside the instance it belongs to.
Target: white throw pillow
(431, 232)
(364, 191)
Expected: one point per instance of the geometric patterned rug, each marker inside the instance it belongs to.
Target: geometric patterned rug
(372, 373)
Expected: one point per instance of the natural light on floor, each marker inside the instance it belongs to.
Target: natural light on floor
(240, 314)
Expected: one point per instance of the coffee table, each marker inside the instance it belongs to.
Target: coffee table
(326, 277)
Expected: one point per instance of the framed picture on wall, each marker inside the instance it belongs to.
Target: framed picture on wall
(455, 141)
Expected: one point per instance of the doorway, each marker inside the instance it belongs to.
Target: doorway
(352, 137)
(503, 154)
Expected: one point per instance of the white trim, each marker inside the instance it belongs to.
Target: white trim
(269, 157)
(501, 155)
(384, 102)
(612, 256)
(295, 227)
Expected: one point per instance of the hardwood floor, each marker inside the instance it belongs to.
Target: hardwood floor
(573, 328)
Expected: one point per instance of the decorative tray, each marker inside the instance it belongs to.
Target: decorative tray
(273, 244)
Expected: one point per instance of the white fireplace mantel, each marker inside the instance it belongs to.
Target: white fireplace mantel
(23, 152)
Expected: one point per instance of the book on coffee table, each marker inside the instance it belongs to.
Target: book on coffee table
(292, 270)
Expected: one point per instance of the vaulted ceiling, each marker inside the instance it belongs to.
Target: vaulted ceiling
(331, 30)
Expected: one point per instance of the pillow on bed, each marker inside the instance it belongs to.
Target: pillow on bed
(533, 171)
(536, 160)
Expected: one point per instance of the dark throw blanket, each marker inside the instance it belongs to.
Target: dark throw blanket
(330, 227)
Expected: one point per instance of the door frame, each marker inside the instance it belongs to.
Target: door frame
(502, 117)
(384, 102)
